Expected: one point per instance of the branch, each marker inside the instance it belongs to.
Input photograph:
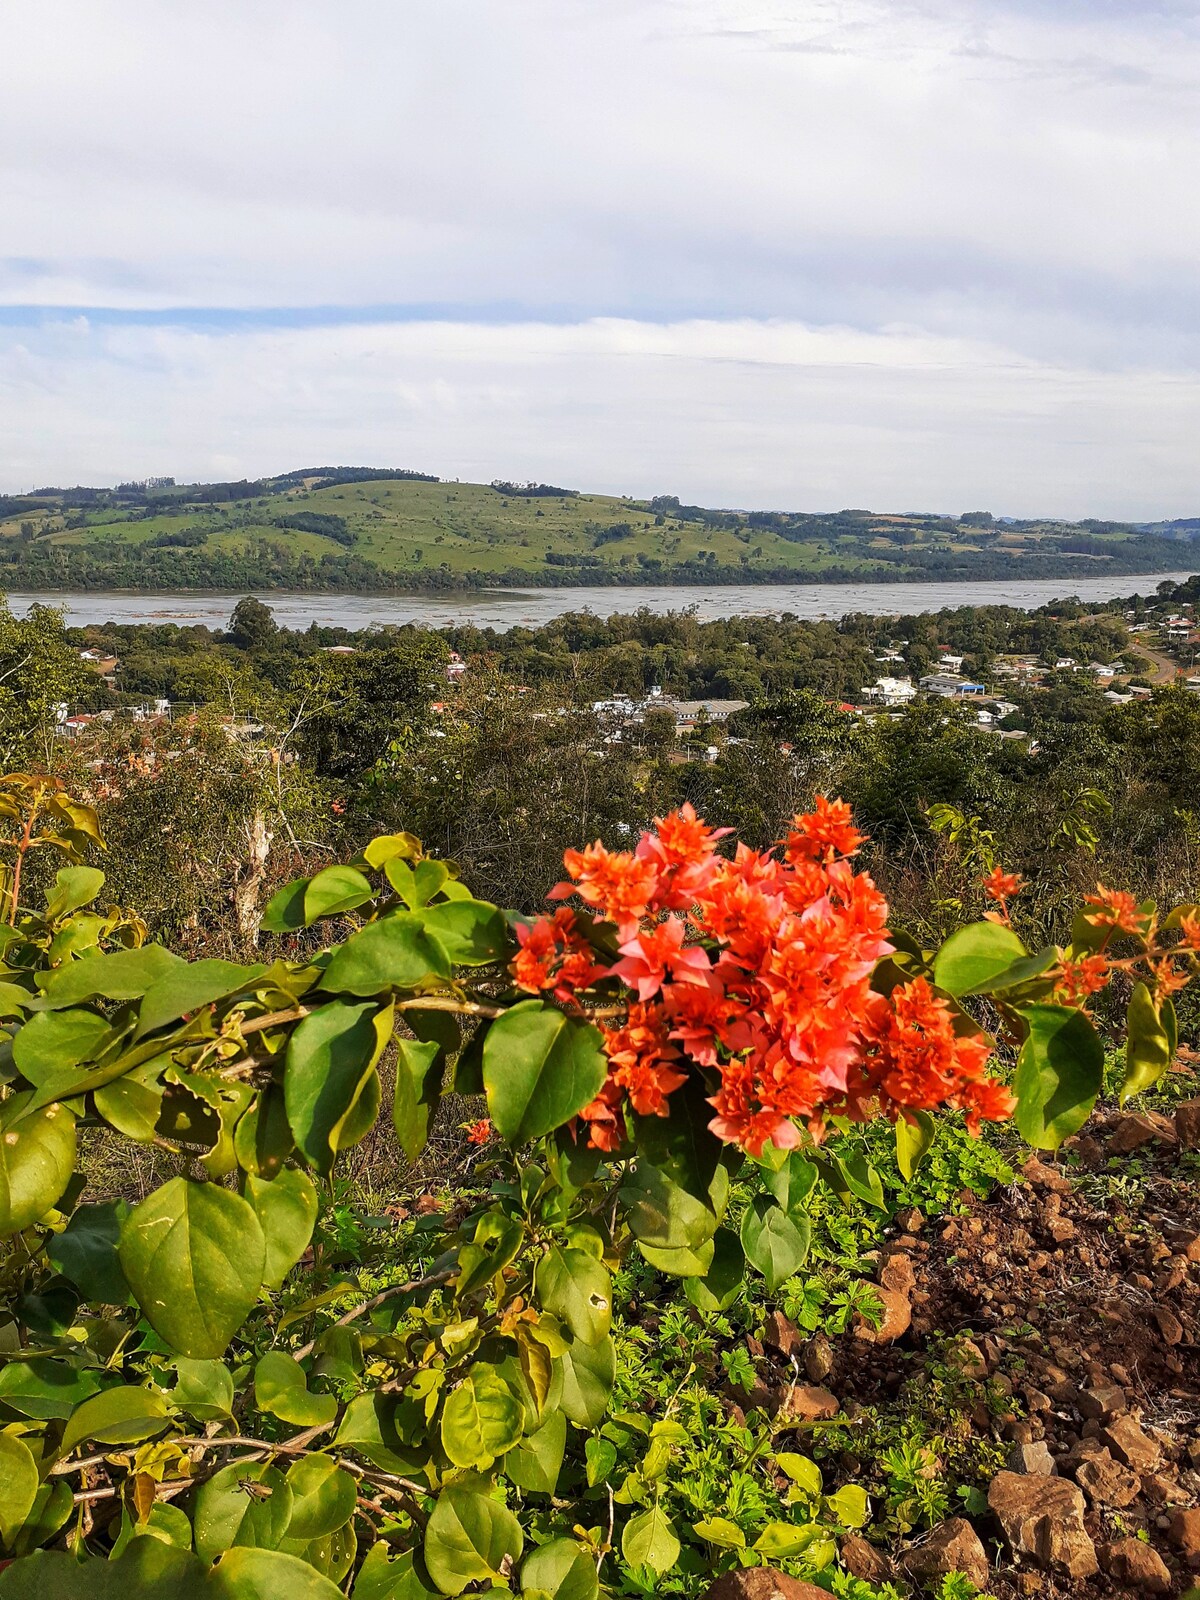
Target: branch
(365, 1306)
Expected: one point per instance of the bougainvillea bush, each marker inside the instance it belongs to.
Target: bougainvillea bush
(190, 1406)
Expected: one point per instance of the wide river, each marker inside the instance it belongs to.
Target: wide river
(530, 608)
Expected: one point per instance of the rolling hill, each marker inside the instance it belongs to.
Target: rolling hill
(370, 529)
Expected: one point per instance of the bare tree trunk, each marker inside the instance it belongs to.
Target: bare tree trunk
(246, 891)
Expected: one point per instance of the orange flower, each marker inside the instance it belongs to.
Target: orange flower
(1001, 885)
(826, 832)
(554, 955)
(1115, 909)
(1079, 978)
(616, 882)
(479, 1132)
(1189, 927)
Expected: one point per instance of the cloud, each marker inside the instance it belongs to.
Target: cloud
(245, 189)
(744, 412)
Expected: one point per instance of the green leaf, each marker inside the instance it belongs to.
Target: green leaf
(601, 1457)
(561, 1569)
(336, 890)
(588, 1374)
(472, 933)
(281, 1388)
(390, 847)
(792, 1183)
(286, 1208)
(227, 1514)
(649, 1541)
(470, 1538)
(1059, 1074)
(74, 887)
(125, 1414)
(540, 1068)
(18, 1486)
(481, 1419)
(861, 1179)
(775, 1243)
(262, 1140)
(134, 1102)
(324, 1497)
(285, 908)
(805, 1474)
(204, 1389)
(418, 1089)
(331, 1060)
(535, 1463)
(14, 1000)
(914, 1140)
(681, 1263)
(52, 1043)
(199, 984)
(782, 1541)
(37, 1158)
(122, 975)
(680, 1144)
(45, 1388)
(368, 1426)
(1150, 1042)
(720, 1531)
(264, 1574)
(86, 1252)
(850, 1505)
(193, 1254)
(380, 1578)
(147, 1569)
(394, 953)
(577, 1289)
(718, 1288)
(972, 957)
(662, 1214)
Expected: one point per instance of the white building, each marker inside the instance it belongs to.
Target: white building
(891, 691)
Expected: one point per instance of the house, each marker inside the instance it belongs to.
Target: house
(1066, 664)
(951, 663)
(1102, 671)
(891, 691)
(689, 714)
(950, 686)
(1116, 699)
(105, 666)
(338, 650)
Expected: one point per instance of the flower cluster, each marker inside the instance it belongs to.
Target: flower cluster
(754, 970)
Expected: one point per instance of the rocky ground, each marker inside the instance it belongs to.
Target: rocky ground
(1072, 1303)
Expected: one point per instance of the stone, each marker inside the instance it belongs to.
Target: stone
(1061, 1230)
(1137, 1566)
(1042, 1176)
(818, 1358)
(807, 1402)
(954, 1547)
(782, 1334)
(1191, 1248)
(909, 1220)
(897, 1319)
(1168, 1324)
(967, 1358)
(1042, 1518)
(897, 1274)
(762, 1583)
(1137, 1128)
(1184, 1532)
(1106, 1400)
(1105, 1481)
(1031, 1458)
(1187, 1124)
(863, 1561)
(1124, 1437)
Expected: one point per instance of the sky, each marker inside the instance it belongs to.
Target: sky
(900, 254)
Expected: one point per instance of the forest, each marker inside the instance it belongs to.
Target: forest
(470, 1128)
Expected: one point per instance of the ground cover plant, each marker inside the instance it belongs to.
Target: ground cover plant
(687, 1069)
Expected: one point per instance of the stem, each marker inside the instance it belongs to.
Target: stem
(428, 1282)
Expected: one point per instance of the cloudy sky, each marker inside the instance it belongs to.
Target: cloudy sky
(935, 254)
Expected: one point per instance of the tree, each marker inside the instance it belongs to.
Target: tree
(252, 624)
(40, 672)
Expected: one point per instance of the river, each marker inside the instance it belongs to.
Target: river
(530, 608)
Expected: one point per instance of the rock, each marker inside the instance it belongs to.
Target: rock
(1042, 1176)
(1187, 1124)
(1190, 1248)
(818, 1358)
(863, 1561)
(806, 1402)
(1137, 1565)
(1106, 1400)
(757, 1397)
(897, 1274)
(1169, 1325)
(782, 1334)
(1184, 1532)
(762, 1583)
(909, 1220)
(1137, 1128)
(897, 1319)
(1061, 1230)
(1031, 1458)
(1042, 1518)
(1105, 1481)
(1124, 1437)
(967, 1358)
(954, 1547)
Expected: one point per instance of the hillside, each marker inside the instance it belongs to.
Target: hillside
(371, 530)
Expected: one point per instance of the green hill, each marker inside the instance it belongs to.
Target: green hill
(371, 529)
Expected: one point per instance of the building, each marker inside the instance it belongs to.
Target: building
(891, 691)
(950, 686)
(102, 664)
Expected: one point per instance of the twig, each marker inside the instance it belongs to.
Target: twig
(365, 1306)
